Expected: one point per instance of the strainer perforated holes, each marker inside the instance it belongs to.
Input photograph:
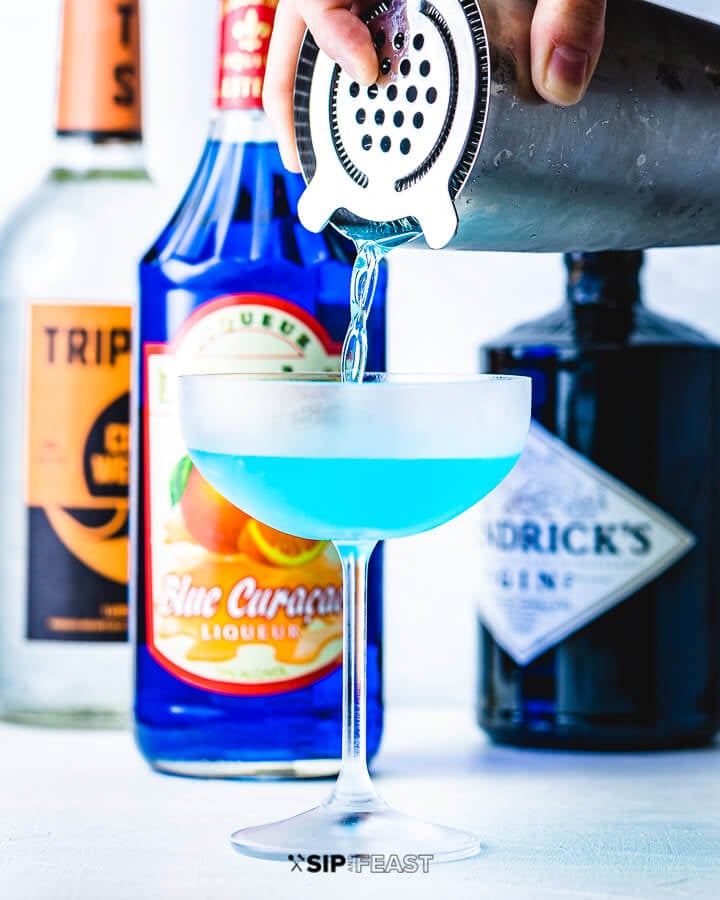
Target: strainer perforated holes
(392, 148)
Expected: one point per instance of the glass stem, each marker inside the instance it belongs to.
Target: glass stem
(354, 790)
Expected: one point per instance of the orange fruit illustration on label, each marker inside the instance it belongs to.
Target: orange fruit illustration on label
(212, 521)
(269, 545)
(234, 606)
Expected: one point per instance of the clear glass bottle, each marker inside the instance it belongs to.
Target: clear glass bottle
(68, 280)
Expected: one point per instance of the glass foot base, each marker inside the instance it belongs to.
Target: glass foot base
(328, 829)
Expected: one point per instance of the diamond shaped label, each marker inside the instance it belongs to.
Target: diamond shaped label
(562, 541)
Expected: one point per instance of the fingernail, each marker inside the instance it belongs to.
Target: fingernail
(289, 157)
(347, 67)
(566, 73)
(356, 72)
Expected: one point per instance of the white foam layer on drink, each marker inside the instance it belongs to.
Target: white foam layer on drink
(388, 417)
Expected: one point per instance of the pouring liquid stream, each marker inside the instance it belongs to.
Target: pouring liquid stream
(362, 290)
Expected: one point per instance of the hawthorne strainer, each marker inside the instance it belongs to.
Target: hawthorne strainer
(398, 149)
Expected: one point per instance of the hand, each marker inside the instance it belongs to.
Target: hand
(565, 42)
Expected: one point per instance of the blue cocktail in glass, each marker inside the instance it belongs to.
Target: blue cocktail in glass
(314, 456)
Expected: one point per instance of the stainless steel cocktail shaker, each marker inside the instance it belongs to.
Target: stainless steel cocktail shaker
(454, 140)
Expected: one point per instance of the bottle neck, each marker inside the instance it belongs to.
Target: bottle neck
(244, 39)
(241, 126)
(99, 98)
(603, 292)
(86, 156)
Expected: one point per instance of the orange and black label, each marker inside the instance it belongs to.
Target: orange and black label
(77, 454)
(99, 86)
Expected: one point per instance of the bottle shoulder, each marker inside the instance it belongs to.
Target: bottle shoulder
(652, 328)
(559, 328)
(70, 232)
(240, 212)
(554, 328)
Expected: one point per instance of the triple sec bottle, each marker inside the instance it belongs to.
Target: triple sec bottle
(238, 627)
(68, 262)
(600, 610)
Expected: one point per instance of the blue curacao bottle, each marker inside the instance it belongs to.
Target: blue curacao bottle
(237, 627)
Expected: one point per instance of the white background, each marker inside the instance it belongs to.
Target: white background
(441, 305)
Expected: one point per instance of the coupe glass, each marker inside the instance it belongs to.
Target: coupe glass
(316, 457)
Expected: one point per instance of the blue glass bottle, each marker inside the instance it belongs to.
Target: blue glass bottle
(233, 264)
(633, 397)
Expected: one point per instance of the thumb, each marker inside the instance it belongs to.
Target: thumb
(566, 40)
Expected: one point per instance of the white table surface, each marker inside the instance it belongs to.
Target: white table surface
(82, 816)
